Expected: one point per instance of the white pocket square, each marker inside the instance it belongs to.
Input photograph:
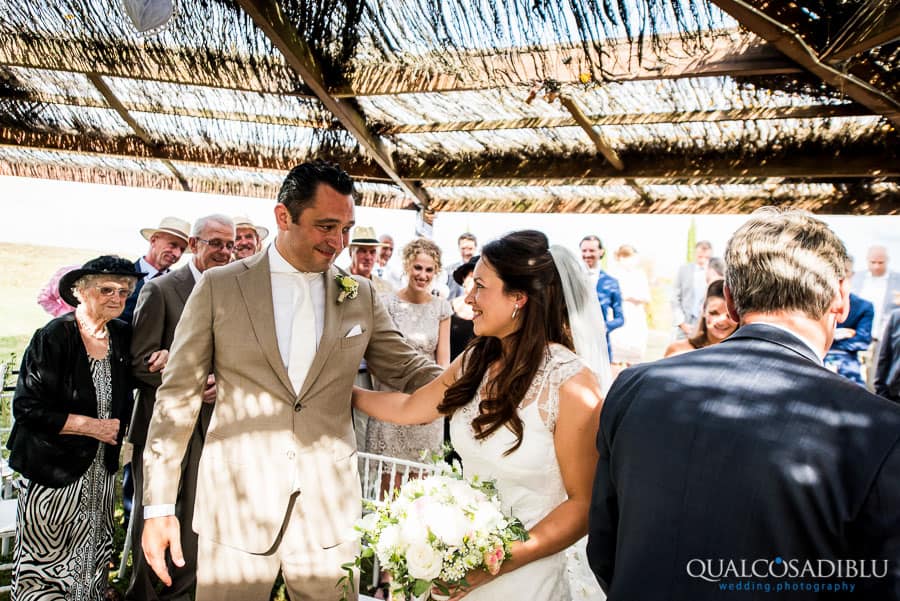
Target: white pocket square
(354, 331)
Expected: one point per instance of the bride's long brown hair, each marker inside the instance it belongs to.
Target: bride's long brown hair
(523, 263)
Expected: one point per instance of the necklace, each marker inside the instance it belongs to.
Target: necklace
(100, 334)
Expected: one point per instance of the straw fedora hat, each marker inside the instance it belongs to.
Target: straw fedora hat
(244, 221)
(364, 235)
(170, 225)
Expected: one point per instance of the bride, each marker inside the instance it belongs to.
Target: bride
(524, 410)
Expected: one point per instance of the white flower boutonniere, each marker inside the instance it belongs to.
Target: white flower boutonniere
(349, 287)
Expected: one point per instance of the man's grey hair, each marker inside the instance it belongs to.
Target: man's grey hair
(784, 261)
(704, 244)
(203, 222)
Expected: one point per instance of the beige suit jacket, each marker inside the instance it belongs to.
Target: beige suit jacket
(265, 442)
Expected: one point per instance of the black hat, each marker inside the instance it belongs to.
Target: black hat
(105, 265)
(460, 273)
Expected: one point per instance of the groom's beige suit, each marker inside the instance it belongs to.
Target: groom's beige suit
(274, 460)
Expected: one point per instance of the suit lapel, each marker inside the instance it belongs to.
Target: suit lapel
(256, 289)
(330, 330)
(184, 283)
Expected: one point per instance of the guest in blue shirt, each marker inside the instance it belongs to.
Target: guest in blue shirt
(851, 336)
(610, 297)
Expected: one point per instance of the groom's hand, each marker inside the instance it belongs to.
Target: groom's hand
(159, 534)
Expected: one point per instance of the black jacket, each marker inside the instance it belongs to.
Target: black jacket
(54, 381)
(887, 372)
(743, 451)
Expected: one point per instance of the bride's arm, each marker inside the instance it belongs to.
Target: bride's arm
(408, 409)
(575, 436)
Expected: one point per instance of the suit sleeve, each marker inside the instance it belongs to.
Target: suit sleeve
(887, 355)
(880, 520)
(678, 316)
(391, 359)
(35, 404)
(148, 325)
(863, 336)
(179, 399)
(615, 301)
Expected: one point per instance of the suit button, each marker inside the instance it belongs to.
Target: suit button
(298, 407)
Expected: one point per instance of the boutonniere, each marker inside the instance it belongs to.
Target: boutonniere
(349, 287)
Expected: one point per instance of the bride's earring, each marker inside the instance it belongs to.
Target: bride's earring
(515, 311)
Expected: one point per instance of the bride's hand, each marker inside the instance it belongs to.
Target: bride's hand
(475, 578)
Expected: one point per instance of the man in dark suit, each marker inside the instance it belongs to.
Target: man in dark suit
(158, 311)
(747, 466)
(887, 376)
(167, 243)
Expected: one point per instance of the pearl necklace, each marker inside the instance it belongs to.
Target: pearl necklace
(102, 334)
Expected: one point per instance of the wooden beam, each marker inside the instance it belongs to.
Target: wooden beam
(794, 47)
(132, 147)
(178, 111)
(141, 133)
(148, 62)
(861, 161)
(817, 111)
(268, 17)
(600, 142)
(730, 54)
(886, 29)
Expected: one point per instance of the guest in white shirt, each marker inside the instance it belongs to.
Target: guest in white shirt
(882, 288)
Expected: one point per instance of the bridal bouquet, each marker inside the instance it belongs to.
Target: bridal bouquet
(434, 531)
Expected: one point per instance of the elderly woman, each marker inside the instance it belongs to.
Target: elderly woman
(71, 406)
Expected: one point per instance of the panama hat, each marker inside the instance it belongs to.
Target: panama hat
(103, 265)
(244, 221)
(364, 236)
(169, 225)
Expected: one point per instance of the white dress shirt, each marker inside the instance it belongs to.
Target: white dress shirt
(282, 274)
(874, 289)
(150, 270)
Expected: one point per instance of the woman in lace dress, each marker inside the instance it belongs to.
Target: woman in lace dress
(525, 410)
(72, 403)
(424, 319)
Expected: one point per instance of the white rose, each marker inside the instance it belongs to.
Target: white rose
(413, 530)
(388, 543)
(487, 518)
(447, 523)
(423, 562)
(368, 522)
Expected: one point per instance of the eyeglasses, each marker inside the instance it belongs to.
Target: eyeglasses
(110, 290)
(217, 244)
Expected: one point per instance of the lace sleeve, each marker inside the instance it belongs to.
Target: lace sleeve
(563, 364)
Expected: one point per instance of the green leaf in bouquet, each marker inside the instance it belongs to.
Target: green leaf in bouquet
(420, 586)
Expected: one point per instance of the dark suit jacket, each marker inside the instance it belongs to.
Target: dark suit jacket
(131, 302)
(887, 374)
(749, 449)
(54, 381)
(157, 313)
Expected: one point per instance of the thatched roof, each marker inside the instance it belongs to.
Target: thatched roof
(509, 105)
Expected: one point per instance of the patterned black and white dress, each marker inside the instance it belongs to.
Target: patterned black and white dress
(64, 542)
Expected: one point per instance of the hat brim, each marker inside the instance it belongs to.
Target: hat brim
(68, 281)
(262, 232)
(148, 232)
(461, 272)
(365, 242)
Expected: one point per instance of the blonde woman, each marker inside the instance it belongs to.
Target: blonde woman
(424, 319)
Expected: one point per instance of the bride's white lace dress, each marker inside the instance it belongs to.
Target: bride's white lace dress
(530, 484)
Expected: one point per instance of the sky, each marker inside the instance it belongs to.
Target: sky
(108, 218)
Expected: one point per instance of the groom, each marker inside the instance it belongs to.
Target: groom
(284, 335)
(747, 466)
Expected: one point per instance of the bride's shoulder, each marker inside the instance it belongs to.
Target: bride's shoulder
(557, 354)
